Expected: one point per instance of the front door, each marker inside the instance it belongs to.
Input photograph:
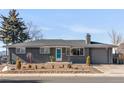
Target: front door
(58, 54)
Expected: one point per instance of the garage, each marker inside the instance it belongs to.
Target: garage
(99, 55)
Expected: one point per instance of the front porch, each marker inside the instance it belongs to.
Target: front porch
(66, 54)
(59, 55)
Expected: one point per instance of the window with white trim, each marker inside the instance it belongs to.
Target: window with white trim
(77, 51)
(20, 50)
(44, 50)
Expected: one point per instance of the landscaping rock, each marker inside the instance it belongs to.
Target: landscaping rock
(6, 68)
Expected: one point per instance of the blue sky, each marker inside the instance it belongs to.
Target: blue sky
(74, 24)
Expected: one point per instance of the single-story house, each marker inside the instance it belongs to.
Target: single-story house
(120, 48)
(74, 51)
(119, 56)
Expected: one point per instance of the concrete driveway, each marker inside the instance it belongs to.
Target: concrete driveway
(110, 68)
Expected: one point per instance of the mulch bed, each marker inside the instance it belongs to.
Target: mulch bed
(78, 68)
(92, 71)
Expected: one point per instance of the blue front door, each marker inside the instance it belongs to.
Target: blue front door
(58, 54)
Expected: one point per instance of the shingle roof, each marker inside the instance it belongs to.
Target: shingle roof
(99, 45)
(54, 42)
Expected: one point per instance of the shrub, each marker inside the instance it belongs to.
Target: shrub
(88, 60)
(52, 66)
(69, 66)
(62, 66)
(29, 66)
(52, 59)
(35, 66)
(18, 64)
(42, 67)
(76, 67)
(24, 67)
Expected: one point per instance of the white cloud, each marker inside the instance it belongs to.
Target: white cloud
(84, 29)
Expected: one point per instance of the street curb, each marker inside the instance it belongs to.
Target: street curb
(61, 75)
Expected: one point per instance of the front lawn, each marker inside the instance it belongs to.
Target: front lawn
(53, 68)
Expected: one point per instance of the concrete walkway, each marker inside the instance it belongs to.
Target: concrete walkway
(110, 68)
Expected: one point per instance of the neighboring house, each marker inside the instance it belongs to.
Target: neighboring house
(120, 54)
(74, 51)
(120, 48)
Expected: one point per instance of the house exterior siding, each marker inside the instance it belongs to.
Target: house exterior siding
(77, 59)
(36, 56)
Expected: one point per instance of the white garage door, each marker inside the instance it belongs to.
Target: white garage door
(99, 55)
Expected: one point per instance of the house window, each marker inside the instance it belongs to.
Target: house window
(41, 50)
(20, 50)
(81, 51)
(67, 51)
(77, 51)
(44, 50)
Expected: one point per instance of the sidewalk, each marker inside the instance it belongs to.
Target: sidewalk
(62, 75)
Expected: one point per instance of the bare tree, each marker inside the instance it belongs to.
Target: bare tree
(116, 39)
(34, 31)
